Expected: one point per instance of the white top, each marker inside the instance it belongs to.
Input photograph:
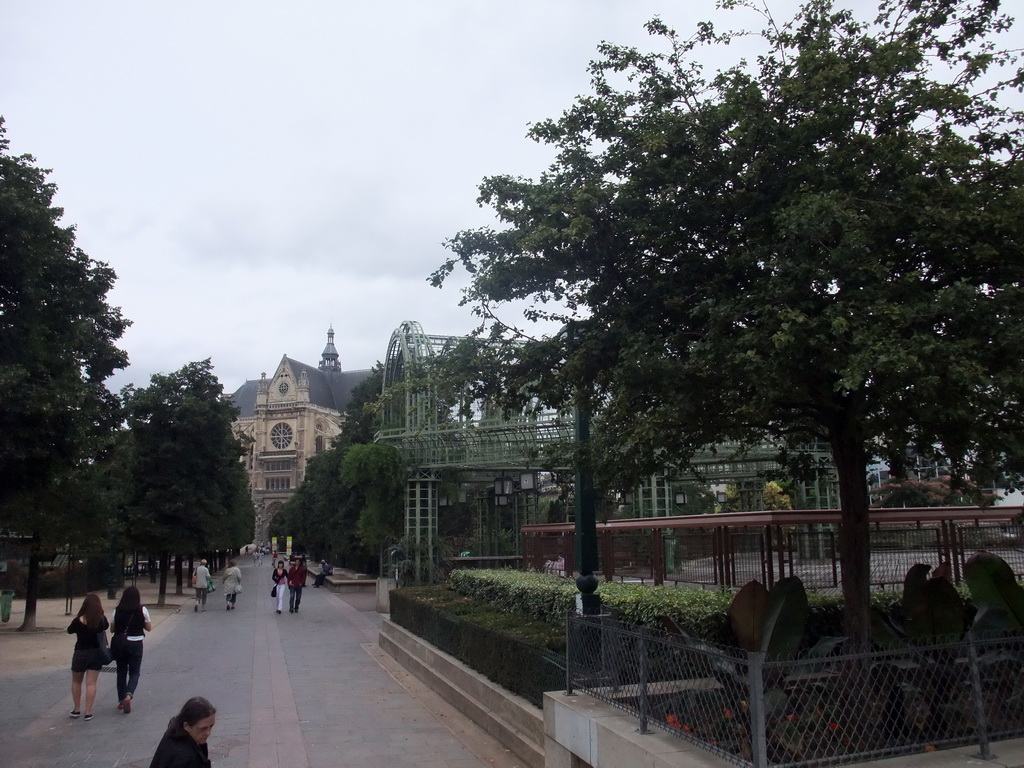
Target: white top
(145, 616)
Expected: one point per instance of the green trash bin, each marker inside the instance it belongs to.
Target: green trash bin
(6, 599)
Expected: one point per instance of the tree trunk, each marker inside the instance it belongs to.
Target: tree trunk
(851, 461)
(165, 561)
(31, 590)
(179, 584)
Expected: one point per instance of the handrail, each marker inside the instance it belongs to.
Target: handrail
(877, 516)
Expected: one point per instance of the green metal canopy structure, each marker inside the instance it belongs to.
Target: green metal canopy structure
(492, 455)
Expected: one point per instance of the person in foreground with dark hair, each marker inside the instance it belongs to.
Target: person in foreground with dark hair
(184, 742)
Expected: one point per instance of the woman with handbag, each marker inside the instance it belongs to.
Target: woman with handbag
(131, 622)
(232, 581)
(201, 581)
(280, 579)
(89, 656)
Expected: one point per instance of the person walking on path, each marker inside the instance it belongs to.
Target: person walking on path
(232, 581)
(201, 581)
(297, 576)
(280, 579)
(184, 742)
(132, 618)
(86, 662)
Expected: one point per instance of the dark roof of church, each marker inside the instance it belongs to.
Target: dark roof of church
(329, 389)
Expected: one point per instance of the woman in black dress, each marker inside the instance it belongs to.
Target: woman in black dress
(86, 662)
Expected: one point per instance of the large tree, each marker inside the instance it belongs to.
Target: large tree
(188, 490)
(822, 244)
(57, 348)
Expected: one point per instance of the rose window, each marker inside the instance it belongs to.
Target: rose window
(281, 436)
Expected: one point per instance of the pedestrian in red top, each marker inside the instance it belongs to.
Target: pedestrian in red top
(297, 575)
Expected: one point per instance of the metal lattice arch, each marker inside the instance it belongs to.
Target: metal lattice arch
(481, 444)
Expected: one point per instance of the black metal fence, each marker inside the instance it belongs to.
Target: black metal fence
(812, 711)
(519, 667)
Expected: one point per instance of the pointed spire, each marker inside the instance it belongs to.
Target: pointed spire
(329, 357)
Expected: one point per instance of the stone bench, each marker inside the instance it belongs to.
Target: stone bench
(338, 583)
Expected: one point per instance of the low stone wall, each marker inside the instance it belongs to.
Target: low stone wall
(583, 732)
(510, 719)
(339, 584)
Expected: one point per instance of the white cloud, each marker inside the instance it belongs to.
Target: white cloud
(256, 170)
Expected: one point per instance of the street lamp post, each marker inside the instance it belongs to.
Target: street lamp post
(586, 520)
(721, 497)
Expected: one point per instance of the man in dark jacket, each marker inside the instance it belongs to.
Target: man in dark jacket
(297, 575)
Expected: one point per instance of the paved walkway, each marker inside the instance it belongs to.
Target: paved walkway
(301, 690)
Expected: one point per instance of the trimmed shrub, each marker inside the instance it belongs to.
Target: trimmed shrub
(523, 655)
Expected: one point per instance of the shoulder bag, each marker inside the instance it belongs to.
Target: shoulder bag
(119, 638)
(102, 649)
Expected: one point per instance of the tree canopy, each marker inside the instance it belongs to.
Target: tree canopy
(57, 336)
(58, 347)
(822, 244)
(188, 490)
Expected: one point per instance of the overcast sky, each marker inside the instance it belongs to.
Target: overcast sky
(255, 171)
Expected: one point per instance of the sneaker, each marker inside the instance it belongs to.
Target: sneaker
(120, 704)
(127, 704)
(75, 713)
(87, 717)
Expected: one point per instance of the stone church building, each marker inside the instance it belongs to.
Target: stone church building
(286, 419)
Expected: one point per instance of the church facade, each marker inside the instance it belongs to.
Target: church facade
(285, 420)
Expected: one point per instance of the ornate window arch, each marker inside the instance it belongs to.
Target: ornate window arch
(281, 436)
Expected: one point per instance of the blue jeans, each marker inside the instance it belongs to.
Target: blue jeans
(129, 666)
(294, 597)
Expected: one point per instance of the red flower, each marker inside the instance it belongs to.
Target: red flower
(673, 721)
(833, 725)
(727, 712)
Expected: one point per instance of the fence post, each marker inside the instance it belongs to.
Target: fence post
(755, 683)
(645, 704)
(984, 743)
(569, 646)
(658, 556)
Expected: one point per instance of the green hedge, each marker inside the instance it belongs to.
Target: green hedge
(699, 612)
(523, 655)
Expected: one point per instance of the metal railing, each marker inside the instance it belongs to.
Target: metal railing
(728, 550)
(811, 711)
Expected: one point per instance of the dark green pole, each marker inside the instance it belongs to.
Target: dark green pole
(112, 565)
(586, 518)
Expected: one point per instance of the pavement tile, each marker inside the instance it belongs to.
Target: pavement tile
(292, 691)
